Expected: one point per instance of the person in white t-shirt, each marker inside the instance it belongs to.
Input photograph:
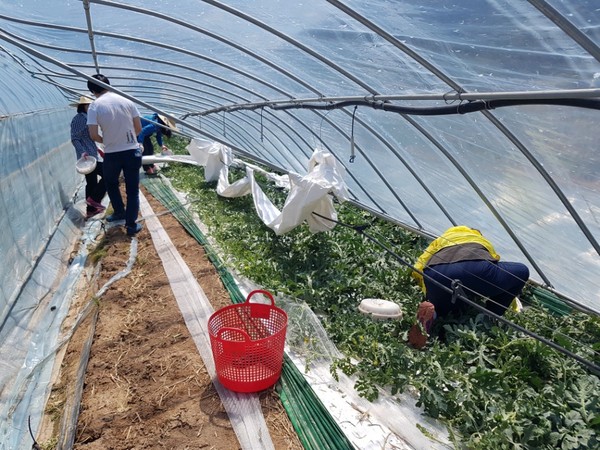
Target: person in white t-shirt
(119, 120)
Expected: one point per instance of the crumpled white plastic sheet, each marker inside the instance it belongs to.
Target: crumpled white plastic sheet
(308, 194)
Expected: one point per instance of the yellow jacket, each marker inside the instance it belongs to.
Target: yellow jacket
(452, 236)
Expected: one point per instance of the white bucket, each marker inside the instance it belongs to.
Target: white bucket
(86, 164)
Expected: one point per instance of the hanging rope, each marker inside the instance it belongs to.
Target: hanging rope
(352, 154)
(261, 125)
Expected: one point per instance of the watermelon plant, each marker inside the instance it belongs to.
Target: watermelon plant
(494, 387)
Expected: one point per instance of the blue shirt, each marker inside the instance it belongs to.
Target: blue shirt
(80, 137)
(148, 129)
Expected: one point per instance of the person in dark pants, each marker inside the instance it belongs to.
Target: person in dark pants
(85, 146)
(119, 120)
(158, 126)
(464, 256)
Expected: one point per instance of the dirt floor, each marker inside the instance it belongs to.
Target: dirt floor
(146, 386)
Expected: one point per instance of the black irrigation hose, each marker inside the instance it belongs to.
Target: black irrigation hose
(35, 445)
(461, 108)
(313, 424)
(361, 230)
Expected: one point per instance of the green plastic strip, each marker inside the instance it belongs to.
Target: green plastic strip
(550, 301)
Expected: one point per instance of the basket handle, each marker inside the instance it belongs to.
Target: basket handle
(236, 330)
(261, 291)
(260, 310)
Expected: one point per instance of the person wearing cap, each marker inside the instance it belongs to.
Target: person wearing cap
(119, 120)
(95, 189)
(159, 126)
(461, 258)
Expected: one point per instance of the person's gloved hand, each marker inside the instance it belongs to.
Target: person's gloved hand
(85, 155)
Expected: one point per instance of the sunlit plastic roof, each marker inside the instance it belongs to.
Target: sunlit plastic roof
(482, 113)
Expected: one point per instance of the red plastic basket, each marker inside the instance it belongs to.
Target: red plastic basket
(247, 342)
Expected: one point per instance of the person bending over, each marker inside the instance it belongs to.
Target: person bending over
(162, 126)
(464, 255)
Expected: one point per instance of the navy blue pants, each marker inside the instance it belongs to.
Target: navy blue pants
(499, 281)
(128, 161)
(148, 151)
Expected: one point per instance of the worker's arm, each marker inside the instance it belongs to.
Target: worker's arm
(93, 129)
(137, 125)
